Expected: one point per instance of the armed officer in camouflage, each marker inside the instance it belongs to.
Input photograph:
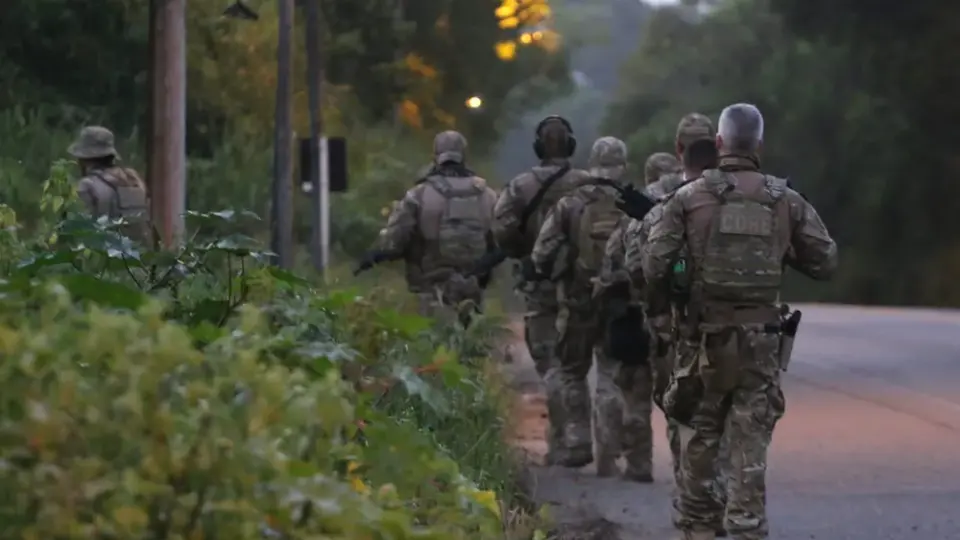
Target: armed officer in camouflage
(741, 228)
(519, 215)
(665, 300)
(440, 228)
(569, 250)
(106, 188)
(622, 405)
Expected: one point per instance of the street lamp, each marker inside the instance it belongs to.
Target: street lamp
(474, 102)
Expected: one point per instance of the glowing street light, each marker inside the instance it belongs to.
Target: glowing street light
(474, 102)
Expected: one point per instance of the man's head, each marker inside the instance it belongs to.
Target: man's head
(554, 138)
(659, 164)
(449, 147)
(740, 131)
(608, 158)
(696, 142)
(94, 146)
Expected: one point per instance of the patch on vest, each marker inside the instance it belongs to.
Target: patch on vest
(746, 219)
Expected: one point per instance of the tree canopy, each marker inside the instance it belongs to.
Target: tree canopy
(419, 61)
(858, 101)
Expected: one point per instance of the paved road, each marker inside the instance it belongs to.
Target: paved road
(869, 448)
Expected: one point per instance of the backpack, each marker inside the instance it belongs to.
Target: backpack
(129, 200)
(464, 222)
(598, 219)
(743, 257)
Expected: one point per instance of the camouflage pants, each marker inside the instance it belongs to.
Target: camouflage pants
(577, 336)
(622, 413)
(540, 334)
(742, 403)
(453, 300)
(678, 436)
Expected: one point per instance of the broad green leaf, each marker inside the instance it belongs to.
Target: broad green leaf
(106, 293)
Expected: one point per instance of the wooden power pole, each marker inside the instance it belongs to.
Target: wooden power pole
(167, 146)
(282, 211)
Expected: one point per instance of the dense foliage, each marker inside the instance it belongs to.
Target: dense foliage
(201, 394)
(858, 102)
(429, 57)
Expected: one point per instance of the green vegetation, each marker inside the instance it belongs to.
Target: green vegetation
(201, 394)
(858, 106)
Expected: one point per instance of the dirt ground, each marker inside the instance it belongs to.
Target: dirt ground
(585, 507)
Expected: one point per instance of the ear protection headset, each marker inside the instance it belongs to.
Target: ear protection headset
(538, 145)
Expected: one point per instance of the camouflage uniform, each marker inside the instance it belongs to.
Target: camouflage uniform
(664, 307)
(740, 227)
(540, 320)
(623, 406)
(107, 189)
(561, 252)
(441, 227)
(657, 166)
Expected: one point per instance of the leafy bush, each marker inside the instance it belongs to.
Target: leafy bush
(200, 393)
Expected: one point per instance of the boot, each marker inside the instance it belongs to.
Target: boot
(697, 535)
(574, 458)
(607, 466)
(638, 475)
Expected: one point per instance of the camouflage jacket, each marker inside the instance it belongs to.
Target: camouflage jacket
(687, 217)
(515, 198)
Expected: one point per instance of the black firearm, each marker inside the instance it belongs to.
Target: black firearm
(371, 259)
(633, 203)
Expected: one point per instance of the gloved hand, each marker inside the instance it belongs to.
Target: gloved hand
(369, 260)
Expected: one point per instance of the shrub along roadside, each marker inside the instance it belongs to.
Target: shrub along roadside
(202, 394)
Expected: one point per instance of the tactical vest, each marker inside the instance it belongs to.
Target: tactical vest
(742, 260)
(598, 219)
(129, 200)
(461, 234)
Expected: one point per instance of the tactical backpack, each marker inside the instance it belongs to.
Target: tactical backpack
(463, 227)
(597, 221)
(743, 257)
(129, 200)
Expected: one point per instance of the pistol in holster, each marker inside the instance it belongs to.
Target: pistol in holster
(788, 332)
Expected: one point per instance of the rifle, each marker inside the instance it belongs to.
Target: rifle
(633, 203)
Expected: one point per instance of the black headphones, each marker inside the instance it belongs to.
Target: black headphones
(538, 142)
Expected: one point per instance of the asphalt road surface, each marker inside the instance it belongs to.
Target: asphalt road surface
(869, 448)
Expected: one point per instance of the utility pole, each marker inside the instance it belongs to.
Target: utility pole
(319, 172)
(167, 146)
(282, 211)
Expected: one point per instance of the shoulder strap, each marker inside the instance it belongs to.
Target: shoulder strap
(103, 180)
(538, 197)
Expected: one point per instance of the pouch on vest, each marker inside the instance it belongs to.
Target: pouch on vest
(598, 220)
(742, 256)
(464, 222)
